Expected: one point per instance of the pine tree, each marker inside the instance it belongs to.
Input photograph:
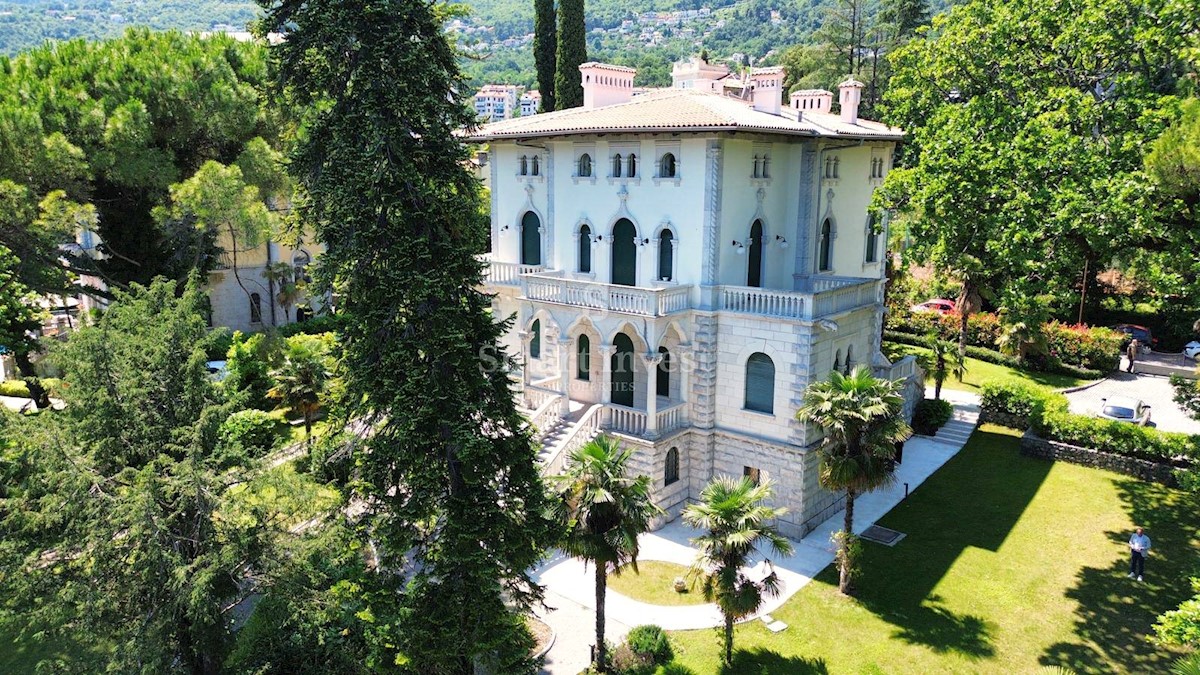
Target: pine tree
(572, 52)
(544, 46)
(456, 508)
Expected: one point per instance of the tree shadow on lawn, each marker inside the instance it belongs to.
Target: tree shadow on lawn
(1117, 614)
(759, 661)
(973, 501)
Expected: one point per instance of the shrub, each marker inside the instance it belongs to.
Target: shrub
(326, 323)
(329, 459)
(1012, 399)
(993, 356)
(1077, 345)
(252, 430)
(931, 415)
(248, 370)
(1187, 395)
(1056, 423)
(650, 641)
(16, 388)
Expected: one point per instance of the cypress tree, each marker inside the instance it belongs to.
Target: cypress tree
(455, 507)
(572, 51)
(544, 44)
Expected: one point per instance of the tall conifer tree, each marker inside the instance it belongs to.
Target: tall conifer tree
(454, 502)
(572, 51)
(544, 46)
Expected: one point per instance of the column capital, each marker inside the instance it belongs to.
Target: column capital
(606, 350)
(652, 359)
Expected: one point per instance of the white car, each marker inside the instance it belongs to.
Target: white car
(1192, 350)
(1125, 409)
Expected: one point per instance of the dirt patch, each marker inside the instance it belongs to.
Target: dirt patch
(543, 635)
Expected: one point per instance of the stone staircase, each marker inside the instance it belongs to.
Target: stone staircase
(566, 435)
(962, 422)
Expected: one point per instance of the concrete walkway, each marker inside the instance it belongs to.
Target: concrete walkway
(567, 580)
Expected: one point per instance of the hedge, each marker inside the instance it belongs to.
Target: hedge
(931, 415)
(16, 388)
(252, 430)
(1050, 418)
(993, 356)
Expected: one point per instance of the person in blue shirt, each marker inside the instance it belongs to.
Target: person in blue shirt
(1139, 546)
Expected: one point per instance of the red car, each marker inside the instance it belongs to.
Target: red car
(940, 305)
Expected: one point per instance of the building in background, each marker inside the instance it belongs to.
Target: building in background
(531, 103)
(495, 102)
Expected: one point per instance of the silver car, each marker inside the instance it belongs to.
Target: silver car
(1125, 409)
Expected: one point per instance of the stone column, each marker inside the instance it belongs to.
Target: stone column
(525, 338)
(565, 345)
(652, 361)
(606, 352)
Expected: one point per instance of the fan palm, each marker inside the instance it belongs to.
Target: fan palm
(735, 519)
(860, 416)
(943, 362)
(602, 512)
(300, 385)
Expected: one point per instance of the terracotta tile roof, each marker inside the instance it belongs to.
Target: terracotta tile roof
(671, 110)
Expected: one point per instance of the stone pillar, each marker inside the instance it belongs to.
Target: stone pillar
(704, 381)
(606, 352)
(564, 372)
(710, 275)
(525, 337)
(652, 361)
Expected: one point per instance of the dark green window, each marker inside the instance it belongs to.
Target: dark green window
(872, 240)
(760, 383)
(535, 342)
(621, 367)
(671, 471)
(624, 253)
(663, 384)
(531, 239)
(585, 248)
(583, 358)
(754, 271)
(826, 246)
(666, 256)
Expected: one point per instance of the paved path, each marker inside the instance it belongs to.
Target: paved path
(567, 580)
(1153, 389)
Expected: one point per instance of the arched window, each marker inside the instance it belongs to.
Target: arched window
(671, 470)
(766, 166)
(537, 166)
(754, 259)
(826, 246)
(531, 239)
(624, 254)
(621, 369)
(632, 165)
(616, 168)
(837, 360)
(300, 261)
(872, 240)
(760, 383)
(585, 166)
(524, 171)
(829, 167)
(757, 167)
(255, 308)
(583, 358)
(535, 340)
(662, 385)
(585, 249)
(849, 360)
(666, 166)
(836, 164)
(666, 256)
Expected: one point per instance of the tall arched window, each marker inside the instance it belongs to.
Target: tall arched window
(624, 253)
(826, 247)
(837, 361)
(621, 369)
(531, 239)
(632, 165)
(757, 167)
(300, 262)
(760, 383)
(754, 259)
(872, 240)
(666, 166)
(671, 470)
(666, 256)
(255, 308)
(524, 170)
(836, 164)
(662, 385)
(535, 341)
(583, 358)
(766, 166)
(849, 360)
(585, 249)
(585, 166)
(537, 166)
(616, 167)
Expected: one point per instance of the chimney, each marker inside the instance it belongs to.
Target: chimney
(605, 84)
(812, 100)
(850, 94)
(767, 88)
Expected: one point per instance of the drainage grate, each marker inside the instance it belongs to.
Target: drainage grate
(882, 535)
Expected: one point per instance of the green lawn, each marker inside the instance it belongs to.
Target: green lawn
(979, 372)
(22, 656)
(654, 582)
(1010, 564)
(290, 434)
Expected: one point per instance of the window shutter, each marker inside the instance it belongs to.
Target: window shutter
(760, 383)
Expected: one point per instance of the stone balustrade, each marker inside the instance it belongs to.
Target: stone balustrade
(606, 297)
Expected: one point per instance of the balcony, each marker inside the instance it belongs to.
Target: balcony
(508, 274)
(829, 296)
(633, 421)
(606, 297)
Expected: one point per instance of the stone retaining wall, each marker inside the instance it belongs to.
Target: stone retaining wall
(1003, 418)
(1035, 446)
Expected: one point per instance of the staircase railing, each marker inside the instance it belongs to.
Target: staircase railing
(585, 430)
(546, 416)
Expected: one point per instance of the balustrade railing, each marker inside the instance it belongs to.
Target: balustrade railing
(748, 300)
(536, 397)
(607, 297)
(585, 430)
(626, 420)
(672, 418)
(507, 273)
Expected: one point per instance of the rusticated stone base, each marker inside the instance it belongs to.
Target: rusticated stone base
(1035, 446)
(1004, 419)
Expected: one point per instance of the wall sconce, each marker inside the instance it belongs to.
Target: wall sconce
(504, 229)
(741, 248)
(643, 242)
(599, 237)
(783, 243)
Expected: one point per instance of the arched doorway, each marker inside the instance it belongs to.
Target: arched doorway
(531, 239)
(624, 253)
(663, 384)
(754, 269)
(621, 367)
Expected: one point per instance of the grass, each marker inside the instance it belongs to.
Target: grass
(290, 434)
(654, 583)
(979, 372)
(21, 655)
(1010, 564)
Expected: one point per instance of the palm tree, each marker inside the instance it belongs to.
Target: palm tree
(735, 520)
(861, 418)
(300, 385)
(943, 362)
(602, 512)
(969, 270)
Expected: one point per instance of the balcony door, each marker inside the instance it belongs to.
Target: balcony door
(624, 253)
(621, 368)
(754, 255)
(531, 239)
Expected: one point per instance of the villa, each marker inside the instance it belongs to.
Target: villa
(681, 264)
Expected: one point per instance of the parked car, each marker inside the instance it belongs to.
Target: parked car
(1125, 409)
(1192, 350)
(939, 305)
(1142, 334)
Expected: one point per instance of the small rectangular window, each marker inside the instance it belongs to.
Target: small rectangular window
(753, 473)
(255, 308)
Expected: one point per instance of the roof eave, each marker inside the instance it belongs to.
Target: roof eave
(479, 138)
